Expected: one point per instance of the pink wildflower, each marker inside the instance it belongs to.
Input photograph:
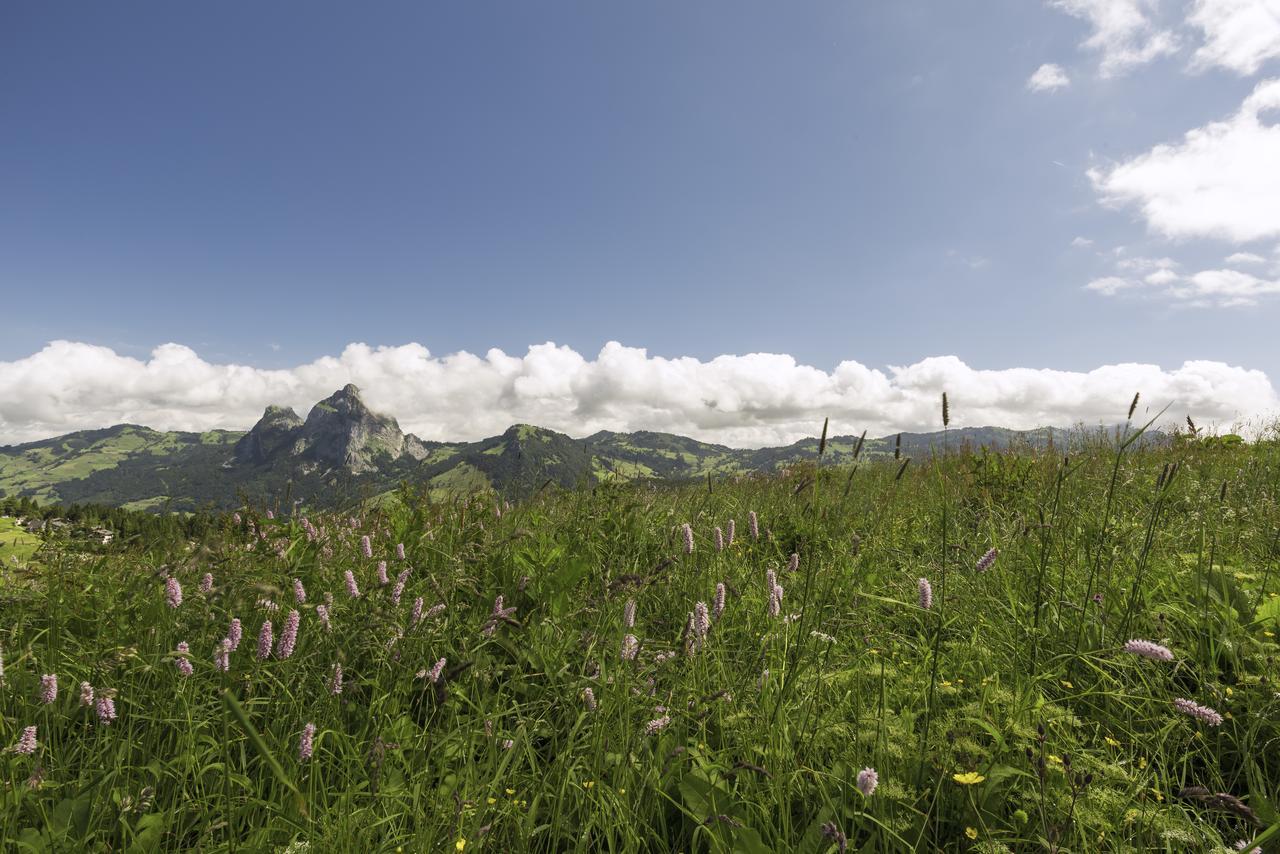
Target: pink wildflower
(234, 633)
(926, 593)
(589, 698)
(86, 694)
(173, 591)
(182, 662)
(657, 725)
(206, 583)
(1147, 649)
(353, 590)
(48, 688)
(289, 636)
(701, 621)
(753, 525)
(222, 655)
(366, 547)
(335, 683)
(27, 744)
(306, 742)
(732, 527)
(630, 648)
(687, 530)
(399, 551)
(719, 539)
(868, 779)
(323, 613)
(382, 573)
(717, 604)
(984, 562)
(299, 592)
(265, 638)
(433, 675)
(106, 710)
(398, 590)
(1195, 710)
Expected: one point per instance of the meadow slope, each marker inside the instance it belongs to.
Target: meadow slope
(493, 696)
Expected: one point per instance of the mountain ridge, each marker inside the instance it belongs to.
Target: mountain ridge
(344, 449)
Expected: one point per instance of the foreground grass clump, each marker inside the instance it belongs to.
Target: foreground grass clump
(584, 672)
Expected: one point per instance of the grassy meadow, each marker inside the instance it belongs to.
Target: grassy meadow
(1005, 716)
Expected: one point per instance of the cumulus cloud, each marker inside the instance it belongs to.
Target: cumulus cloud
(1123, 32)
(1082, 242)
(1245, 258)
(1222, 181)
(1047, 78)
(748, 400)
(1239, 35)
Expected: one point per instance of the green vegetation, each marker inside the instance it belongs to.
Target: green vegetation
(1006, 716)
(344, 452)
(16, 544)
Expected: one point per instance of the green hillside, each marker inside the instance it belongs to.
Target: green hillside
(344, 451)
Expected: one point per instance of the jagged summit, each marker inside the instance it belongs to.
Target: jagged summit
(275, 432)
(339, 431)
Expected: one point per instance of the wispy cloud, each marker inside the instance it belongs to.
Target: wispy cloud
(1123, 32)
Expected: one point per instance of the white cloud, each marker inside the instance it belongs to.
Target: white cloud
(1112, 285)
(1123, 32)
(1082, 243)
(1222, 181)
(1047, 78)
(1239, 35)
(1245, 258)
(1143, 264)
(1205, 289)
(749, 400)
(1228, 287)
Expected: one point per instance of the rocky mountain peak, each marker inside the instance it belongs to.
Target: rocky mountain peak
(276, 431)
(341, 430)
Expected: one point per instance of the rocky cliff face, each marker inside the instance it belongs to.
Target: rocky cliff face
(339, 431)
(275, 433)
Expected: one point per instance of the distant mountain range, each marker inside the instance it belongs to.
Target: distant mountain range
(345, 450)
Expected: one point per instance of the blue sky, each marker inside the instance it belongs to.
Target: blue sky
(267, 183)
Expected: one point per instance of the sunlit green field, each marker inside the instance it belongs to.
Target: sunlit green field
(1004, 716)
(16, 544)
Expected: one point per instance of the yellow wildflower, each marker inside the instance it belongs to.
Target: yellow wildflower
(511, 791)
(460, 844)
(1066, 684)
(968, 778)
(1111, 741)
(971, 832)
(492, 801)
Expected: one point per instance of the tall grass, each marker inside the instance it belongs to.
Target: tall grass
(1007, 717)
